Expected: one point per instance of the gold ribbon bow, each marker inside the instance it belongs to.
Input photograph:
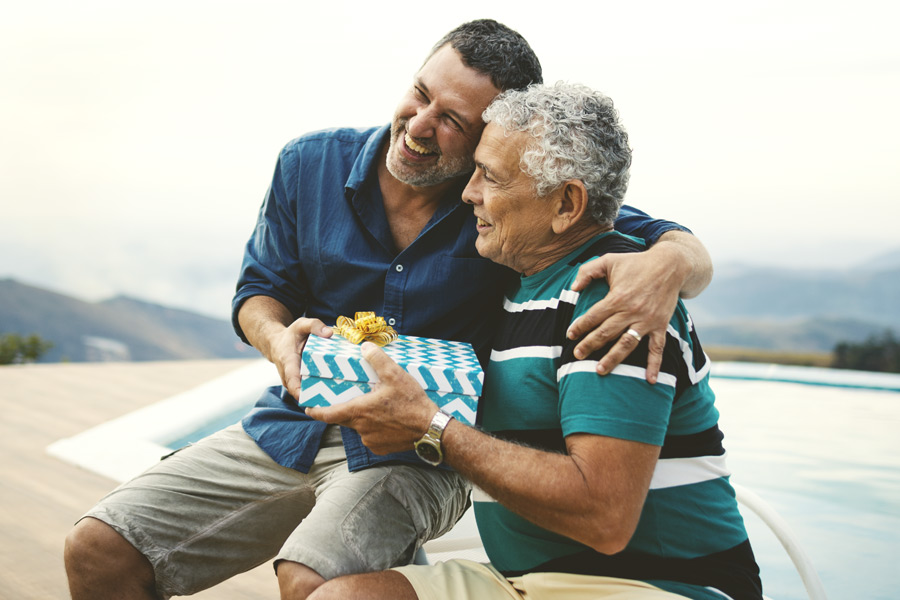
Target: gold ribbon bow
(366, 327)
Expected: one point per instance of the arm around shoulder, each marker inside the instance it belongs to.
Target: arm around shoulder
(688, 256)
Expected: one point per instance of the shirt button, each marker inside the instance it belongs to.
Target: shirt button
(392, 321)
(399, 268)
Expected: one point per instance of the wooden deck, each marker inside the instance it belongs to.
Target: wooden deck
(42, 496)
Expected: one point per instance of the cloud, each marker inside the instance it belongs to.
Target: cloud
(136, 141)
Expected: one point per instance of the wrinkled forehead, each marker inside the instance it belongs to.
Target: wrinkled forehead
(501, 150)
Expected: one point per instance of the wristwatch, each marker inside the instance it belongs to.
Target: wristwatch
(429, 447)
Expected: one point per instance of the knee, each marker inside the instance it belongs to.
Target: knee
(101, 563)
(88, 539)
(329, 590)
(296, 581)
(94, 543)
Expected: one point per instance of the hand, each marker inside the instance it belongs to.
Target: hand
(643, 295)
(285, 346)
(390, 418)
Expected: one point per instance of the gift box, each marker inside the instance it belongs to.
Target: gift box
(334, 371)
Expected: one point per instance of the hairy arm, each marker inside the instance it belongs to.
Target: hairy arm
(594, 494)
(644, 290)
(271, 328)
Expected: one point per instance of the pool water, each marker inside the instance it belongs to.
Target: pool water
(214, 425)
(827, 459)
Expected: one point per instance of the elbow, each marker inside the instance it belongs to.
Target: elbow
(605, 520)
(610, 543)
(610, 533)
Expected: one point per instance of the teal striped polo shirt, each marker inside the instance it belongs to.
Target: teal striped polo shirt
(690, 538)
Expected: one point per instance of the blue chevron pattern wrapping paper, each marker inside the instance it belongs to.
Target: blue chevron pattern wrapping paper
(334, 371)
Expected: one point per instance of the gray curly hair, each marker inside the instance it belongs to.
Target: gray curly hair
(577, 135)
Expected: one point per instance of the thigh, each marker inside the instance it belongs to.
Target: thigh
(459, 580)
(209, 511)
(567, 586)
(376, 518)
(467, 580)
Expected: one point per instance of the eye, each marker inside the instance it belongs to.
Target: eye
(419, 94)
(453, 123)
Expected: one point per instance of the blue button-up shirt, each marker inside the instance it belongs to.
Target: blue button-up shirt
(323, 248)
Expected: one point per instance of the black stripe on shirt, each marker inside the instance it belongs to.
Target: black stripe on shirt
(550, 440)
(733, 571)
(702, 443)
(671, 363)
(546, 327)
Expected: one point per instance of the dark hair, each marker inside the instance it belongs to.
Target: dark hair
(497, 51)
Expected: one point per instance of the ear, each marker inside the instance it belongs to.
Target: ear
(571, 205)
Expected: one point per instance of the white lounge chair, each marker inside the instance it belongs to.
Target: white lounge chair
(785, 535)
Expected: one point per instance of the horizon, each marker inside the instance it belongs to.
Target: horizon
(888, 261)
(139, 141)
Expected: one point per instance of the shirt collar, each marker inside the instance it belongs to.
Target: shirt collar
(365, 162)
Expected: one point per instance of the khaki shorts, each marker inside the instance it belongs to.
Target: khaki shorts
(222, 506)
(467, 580)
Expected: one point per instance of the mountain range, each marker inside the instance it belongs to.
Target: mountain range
(799, 310)
(744, 307)
(120, 328)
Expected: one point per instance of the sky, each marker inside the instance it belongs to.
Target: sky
(137, 140)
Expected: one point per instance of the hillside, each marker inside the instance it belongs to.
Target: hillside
(770, 309)
(784, 309)
(117, 329)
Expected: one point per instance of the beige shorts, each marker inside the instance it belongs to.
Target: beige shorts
(463, 579)
(222, 506)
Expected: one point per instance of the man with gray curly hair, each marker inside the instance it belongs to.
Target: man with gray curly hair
(576, 135)
(585, 487)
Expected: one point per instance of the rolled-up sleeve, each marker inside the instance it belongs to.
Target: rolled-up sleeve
(271, 265)
(639, 224)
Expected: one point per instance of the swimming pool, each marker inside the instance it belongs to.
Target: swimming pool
(828, 460)
(825, 456)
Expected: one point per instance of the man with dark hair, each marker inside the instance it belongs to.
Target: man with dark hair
(353, 220)
(495, 50)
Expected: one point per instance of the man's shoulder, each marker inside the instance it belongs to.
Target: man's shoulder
(613, 242)
(350, 136)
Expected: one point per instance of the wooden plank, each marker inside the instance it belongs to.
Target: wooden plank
(41, 496)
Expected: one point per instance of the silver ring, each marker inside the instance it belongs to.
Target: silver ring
(634, 334)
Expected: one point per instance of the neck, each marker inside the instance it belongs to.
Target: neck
(408, 208)
(565, 243)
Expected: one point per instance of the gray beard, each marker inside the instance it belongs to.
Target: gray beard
(419, 176)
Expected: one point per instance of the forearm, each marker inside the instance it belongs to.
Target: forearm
(261, 318)
(559, 492)
(688, 259)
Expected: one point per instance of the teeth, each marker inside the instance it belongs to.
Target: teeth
(482, 222)
(416, 147)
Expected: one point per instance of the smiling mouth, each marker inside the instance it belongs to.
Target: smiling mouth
(481, 222)
(417, 148)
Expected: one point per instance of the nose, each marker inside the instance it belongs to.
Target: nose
(472, 194)
(422, 124)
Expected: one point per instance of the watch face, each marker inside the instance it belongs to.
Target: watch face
(428, 453)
